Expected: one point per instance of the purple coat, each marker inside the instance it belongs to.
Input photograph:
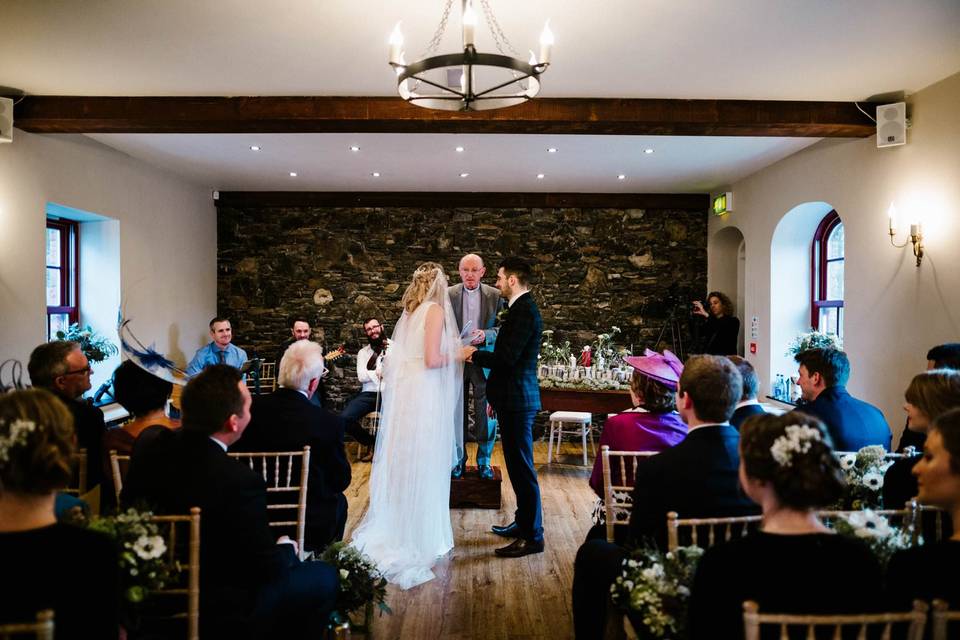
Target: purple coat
(636, 431)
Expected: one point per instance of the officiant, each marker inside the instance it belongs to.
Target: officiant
(475, 306)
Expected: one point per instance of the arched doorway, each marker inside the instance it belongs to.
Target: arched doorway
(726, 262)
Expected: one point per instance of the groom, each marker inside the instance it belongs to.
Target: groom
(514, 393)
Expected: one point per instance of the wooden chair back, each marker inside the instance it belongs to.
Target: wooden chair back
(889, 456)
(78, 485)
(835, 627)
(932, 523)
(941, 618)
(619, 470)
(903, 518)
(286, 474)
(188, 556)
(118, 467)
(42, 629)
(717, 529)
(267, 378)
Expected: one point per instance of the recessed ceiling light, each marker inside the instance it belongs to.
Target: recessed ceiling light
(254, 147)
(375, 174)
(354, 148)
(293, 174)
(552, 150)
(621, 177)
(459, 149)
(648, 150)
(464, 174)
(540, 176)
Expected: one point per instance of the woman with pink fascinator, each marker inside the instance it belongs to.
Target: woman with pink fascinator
(652, 424)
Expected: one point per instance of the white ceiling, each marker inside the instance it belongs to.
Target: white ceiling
(734, 49)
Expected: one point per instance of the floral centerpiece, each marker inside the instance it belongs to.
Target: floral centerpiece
(605, 351)
(864, 473)
(551, 353)
(813, 340)
(884, 540)
(361, 583)
(94, 346)
(144, 566)
(654, 589)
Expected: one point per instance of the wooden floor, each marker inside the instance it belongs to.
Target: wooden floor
(478, 595)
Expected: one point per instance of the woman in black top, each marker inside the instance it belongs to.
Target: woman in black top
(930, 394)
(715, 333)
(931, 571)
(47, 565)
(794, 564)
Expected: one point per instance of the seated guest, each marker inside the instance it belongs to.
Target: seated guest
(369, 371)
(144, 396)
(931, 571)
(715, 332)
(929, 395)
(793, 564)
(748, 405)
(653, 424)
(220, 350)
(853, 423)
(285, 420)
(249, 581)
(300, 330)
(47, 565)
(696, 478)
(61, 367)
(942, 356)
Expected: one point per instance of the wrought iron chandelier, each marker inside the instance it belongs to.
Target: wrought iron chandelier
(469, 81)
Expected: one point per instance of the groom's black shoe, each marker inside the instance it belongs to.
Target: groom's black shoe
(519, 548)
(509, 531)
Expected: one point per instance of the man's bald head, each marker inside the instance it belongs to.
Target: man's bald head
(471, 270)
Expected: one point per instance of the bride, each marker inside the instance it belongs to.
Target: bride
(407, 527)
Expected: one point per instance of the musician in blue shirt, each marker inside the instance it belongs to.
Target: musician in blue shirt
(220, 351)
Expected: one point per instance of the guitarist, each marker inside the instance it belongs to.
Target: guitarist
(300, 330)
(369, 370)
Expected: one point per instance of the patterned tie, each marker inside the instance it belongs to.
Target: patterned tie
(222, 355)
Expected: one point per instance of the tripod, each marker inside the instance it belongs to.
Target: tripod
(673, 325)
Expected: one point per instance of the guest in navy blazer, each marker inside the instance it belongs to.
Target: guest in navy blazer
(287, 420)
(853, 423)
(748, 405)
(695, 478)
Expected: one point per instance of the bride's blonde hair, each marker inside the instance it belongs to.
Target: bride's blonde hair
(423, 279)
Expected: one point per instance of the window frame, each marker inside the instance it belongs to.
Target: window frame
(818, 269)
(69, 271)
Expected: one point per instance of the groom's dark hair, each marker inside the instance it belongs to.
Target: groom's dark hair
(518, 267)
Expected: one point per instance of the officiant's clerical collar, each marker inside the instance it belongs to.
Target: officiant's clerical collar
(470, 291)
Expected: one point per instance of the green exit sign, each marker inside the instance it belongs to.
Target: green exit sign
(723, 203)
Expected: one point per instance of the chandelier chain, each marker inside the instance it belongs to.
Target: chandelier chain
(498, 34)
(434, 43)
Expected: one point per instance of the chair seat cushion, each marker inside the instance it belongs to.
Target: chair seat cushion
(571, 416)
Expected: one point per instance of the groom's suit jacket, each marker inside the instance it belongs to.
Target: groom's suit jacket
(513, 385)
(490, 302)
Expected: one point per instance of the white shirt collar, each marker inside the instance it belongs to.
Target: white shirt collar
(220, 444)
(514, 297)
(471, 292)
(747, 403)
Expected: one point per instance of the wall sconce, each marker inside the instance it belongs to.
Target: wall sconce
(916, 236)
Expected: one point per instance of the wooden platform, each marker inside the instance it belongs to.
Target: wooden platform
(475, 593)
(473, 492)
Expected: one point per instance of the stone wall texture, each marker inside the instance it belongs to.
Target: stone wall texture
(595, 268)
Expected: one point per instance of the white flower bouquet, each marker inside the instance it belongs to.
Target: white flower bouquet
(654, 589)
(864, 473)
(361, 583)
(882, 538)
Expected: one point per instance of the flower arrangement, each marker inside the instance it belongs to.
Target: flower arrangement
(361, 583)
(883, 539)
(864, 473)
(551, 353)
(654, 588)
(94, 346)
(144, 566)
(584, 384)
(606, 353)
(813, 340)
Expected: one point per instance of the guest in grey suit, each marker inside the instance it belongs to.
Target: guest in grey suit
(475, 305)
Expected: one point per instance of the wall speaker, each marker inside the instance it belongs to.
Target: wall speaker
(6, 120)
(891, 124)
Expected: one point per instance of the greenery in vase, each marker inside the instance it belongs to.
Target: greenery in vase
(605, 351)
(94, 346)
(813, 340)
(361, 583)
(864, 472)
(551, 353)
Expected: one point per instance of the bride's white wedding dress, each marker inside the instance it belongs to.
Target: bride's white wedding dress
(407, 526)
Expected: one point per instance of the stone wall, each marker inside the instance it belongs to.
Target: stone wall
(595, 267)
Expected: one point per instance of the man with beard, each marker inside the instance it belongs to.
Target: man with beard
(300, 330)
(369, 371)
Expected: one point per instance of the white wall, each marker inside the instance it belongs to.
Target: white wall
(894, 311)
(167, 235)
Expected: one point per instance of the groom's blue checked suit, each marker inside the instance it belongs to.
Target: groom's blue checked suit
(514, 392)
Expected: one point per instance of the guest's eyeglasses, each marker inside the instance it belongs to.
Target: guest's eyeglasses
(372, 327)
(85, 370)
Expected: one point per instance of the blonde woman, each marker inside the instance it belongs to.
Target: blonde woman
(407, 527)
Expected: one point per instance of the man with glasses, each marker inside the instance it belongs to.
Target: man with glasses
(369, 371)
(61, 367)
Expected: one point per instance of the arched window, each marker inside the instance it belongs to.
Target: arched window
(826, 306)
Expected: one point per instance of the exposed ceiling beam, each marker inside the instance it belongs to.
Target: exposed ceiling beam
(675, 201)
(324, 114)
